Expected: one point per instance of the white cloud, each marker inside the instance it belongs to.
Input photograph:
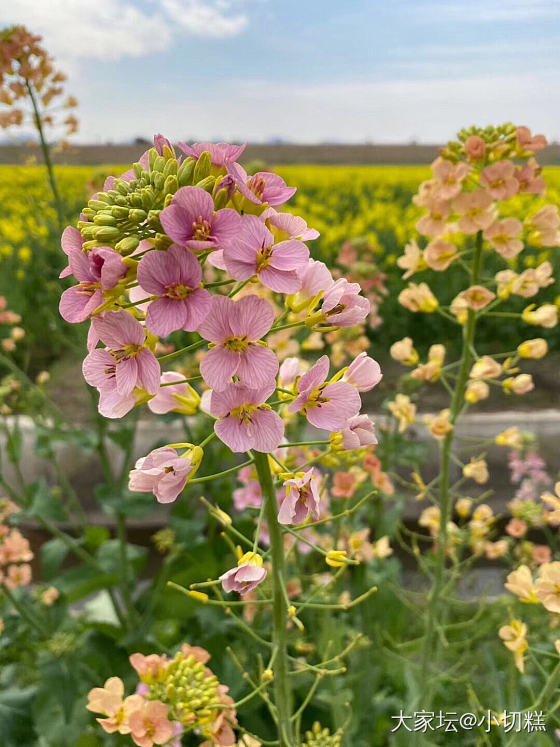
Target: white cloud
(114, 29)
(205, 18)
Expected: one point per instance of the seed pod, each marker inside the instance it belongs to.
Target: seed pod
(203, 166)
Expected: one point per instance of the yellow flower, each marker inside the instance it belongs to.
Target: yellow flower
(476, 470)
(514, 638)
(520, 583)
(403, 410)
(547, 586)
(439, 425)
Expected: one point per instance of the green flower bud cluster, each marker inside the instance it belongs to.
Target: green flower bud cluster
(501, 142)
(319, 737)
(129, 212)
(188, 687)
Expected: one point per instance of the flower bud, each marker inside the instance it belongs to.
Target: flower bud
(336, 558)
(202, 167)
(207, 184)
(476, 390)
(535, 349)
(185, 172)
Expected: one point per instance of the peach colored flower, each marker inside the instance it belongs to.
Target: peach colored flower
(485, 368)
(475, 147)
(545, 224)
(529, 142)
(439, 254)
(494, 550)
(477, 297)
(476, 391)
(534, 349)
(516, 528)
(18, 575)
(439, 425)
(543, 316)
(108, 700)
(518, 384)
(520, 583)
(547, 586)
(542, 554)
(412, 260)
(150, 725)
(434, 224)
(514, 638)
(418, 298)
(149, 666)
(530, 179)
(503, 235)
(499, 180)
(403, 351)
(477, 211)
(553, 501)
(403, 410)
(431, 370)
(449, 177)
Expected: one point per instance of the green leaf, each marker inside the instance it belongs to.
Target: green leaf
(16, 729)
(42, 502)
(109, 557)
(80, 582)
(14, 443)
(95, 537)
(135, 505)
(53, 553)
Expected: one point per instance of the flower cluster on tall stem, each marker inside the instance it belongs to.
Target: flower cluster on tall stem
(192, 243)
(468, 232)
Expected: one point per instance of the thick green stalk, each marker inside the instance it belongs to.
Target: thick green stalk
(282, 695)
(46, 154)
(456, 408)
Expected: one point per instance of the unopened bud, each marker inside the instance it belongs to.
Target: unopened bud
(203, 166)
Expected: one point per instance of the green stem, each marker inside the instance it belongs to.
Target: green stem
(46, 154)
(282, 694)
(456, 408)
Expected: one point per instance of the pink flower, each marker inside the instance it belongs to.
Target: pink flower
(359, 431)
(529, 142)
(364, 373)
(98, 270)
(315, 277)
(164, 473)
(124, 365)
(503, 235)
(220, 153)
(147, 666)
(244, 421)
(244, 578)
(287, 226)
(173, 276)
(499, 179)
(326, 406)
(342, 304)
(250, 494)
(234, 327)
(434, 224)
(150, 725)
(174, 397)
(253, 252)
(301, 498)
(262, 187)
(190, 220)
(290, 370)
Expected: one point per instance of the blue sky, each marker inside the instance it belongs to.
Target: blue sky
(303, 70)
